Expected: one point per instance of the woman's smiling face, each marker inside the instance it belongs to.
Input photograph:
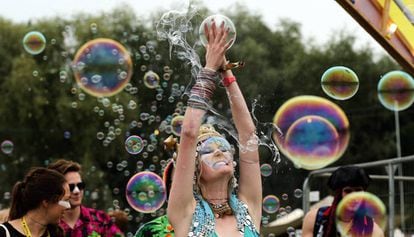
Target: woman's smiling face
(216, 152)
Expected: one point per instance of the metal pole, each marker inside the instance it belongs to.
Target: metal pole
(391, 203)
(305, 195)
(400, 170)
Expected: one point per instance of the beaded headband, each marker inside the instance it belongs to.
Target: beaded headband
(206, 131)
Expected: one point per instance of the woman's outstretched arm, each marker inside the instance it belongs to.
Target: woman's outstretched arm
(181, 203)
(250, 184)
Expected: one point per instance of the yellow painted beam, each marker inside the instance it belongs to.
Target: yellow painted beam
(405, 28)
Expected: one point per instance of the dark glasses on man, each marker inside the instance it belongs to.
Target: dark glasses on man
(81, 186)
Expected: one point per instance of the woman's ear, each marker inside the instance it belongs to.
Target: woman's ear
(45, 203)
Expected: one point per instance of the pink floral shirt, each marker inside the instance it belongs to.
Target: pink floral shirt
(93, 223)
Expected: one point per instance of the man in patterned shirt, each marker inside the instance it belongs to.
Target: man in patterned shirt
(80, 220)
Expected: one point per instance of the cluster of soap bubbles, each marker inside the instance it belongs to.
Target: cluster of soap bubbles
(272, 204)
(103, 69)
(315, 131)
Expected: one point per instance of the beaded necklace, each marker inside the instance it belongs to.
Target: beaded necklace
(221, 209)
(26, 229)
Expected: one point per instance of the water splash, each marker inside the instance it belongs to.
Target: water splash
(173, 27)
(70, 42)
(264, 133)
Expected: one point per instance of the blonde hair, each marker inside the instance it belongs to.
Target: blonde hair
(207, 131)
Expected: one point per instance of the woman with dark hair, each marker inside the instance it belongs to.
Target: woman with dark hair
(37, 204)
(322, 222)
(203, 199)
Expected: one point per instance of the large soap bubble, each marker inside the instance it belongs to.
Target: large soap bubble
(315, 131)
(396, 90)
(340, 82)
(102, 67)
(34, 42)
(218, 19)
(312, 141)
(145, 192)
(357, 212)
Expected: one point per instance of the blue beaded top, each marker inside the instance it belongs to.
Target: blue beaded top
(204, 223)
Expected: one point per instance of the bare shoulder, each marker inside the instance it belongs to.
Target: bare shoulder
(377, 231)
(181, 219)
(309, 222)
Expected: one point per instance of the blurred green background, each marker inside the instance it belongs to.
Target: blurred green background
(46, 116)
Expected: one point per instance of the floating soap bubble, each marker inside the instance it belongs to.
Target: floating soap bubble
(66, 135)
(7, 147)
(396, 90)
(102, 67)
(340, 82)
(145, 192)
(34, 42)
(271, 204)
(297, 193)
(176, 124)
(290, 231)
(266, 170)
(356, 213)
(330, 125)
(151, 80)
(312, 142)
(218, 19)
(134, 144)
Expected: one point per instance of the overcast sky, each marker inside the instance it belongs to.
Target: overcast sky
(320, 19)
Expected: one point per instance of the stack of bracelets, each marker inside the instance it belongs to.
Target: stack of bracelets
(202, 91)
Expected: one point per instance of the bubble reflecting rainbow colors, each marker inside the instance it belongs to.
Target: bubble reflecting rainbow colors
(145, 192)
(176, 124)
(340, 82)
(356, 213)
(271, 204)
(315, 131)
(102, 67)
(396, 90)
(34, 42)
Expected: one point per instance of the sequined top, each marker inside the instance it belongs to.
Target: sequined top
(204, 223)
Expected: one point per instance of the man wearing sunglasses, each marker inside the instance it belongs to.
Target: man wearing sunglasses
(80, 220)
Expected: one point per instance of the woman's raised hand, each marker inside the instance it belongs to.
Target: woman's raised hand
(216, 46)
